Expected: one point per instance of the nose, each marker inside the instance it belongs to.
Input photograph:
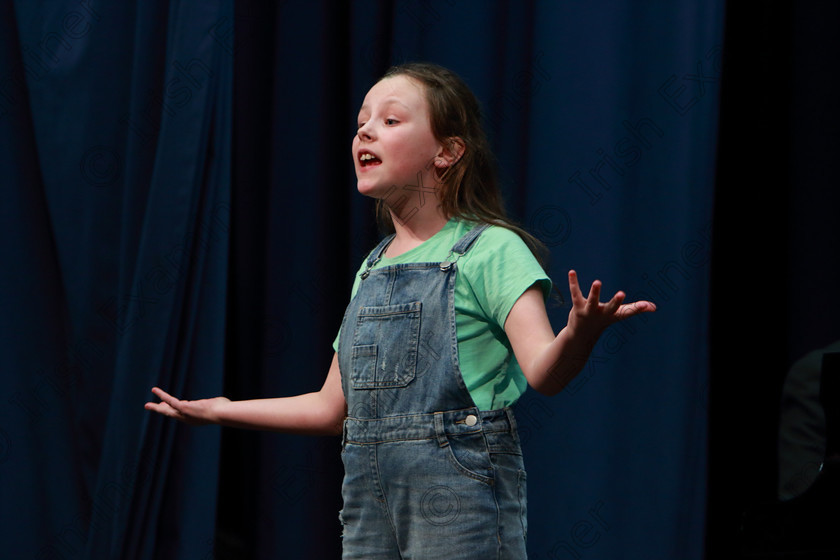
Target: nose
(365, 132)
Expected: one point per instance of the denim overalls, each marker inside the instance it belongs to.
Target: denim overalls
(427, 475)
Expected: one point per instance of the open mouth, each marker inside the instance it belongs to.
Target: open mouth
(367, 159)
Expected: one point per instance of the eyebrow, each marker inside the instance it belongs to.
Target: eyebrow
(388, 101)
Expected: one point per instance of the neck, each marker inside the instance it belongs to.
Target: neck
(415, 228)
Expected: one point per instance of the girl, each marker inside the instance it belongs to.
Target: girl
(446, 327)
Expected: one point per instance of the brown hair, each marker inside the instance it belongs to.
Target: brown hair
(469, 188)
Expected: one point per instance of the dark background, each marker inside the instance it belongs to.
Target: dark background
(775, 261)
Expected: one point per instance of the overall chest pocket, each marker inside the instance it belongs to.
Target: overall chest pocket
(385, 346)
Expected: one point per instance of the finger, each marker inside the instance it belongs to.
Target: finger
(162, 408)
(635, 308)
(643, 306)
(574, 288)
(594, 294)
(614, 304)
(167, 398)
(161, 394)
(154, 407)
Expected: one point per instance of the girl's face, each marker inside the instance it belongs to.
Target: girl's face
(394, 149)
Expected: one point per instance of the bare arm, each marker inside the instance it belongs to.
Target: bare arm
(318, 413)
(550, 362)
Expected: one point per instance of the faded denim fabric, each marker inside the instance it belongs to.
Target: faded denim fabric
(427, 474)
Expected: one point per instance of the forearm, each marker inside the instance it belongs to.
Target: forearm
(309, 413)
(559, 361)
(318, 413)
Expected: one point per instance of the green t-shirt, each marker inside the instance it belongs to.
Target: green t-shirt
(492, 275)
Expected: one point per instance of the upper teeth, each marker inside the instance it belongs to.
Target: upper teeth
(365, 157)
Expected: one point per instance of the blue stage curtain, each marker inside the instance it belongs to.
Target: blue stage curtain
(115, 122)
(180, 211)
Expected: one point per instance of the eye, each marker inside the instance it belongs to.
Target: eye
(391, 121)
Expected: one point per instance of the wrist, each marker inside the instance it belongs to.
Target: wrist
(219, 411)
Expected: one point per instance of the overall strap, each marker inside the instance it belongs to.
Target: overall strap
(462, 246)
(376, 254)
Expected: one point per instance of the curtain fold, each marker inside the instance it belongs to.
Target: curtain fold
(129, 108)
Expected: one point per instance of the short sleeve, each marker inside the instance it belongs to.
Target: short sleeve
(499, 268)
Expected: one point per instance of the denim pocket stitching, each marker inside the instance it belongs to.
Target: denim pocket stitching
(450, 453)
(366, 356)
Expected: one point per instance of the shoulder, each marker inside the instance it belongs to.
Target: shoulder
(498, 268)
(497, 241)
(501, 234)
(499, 259)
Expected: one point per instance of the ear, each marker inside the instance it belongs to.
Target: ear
(450, 152)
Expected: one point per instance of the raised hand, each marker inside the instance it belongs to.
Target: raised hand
(195, 413)
(589, 316)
